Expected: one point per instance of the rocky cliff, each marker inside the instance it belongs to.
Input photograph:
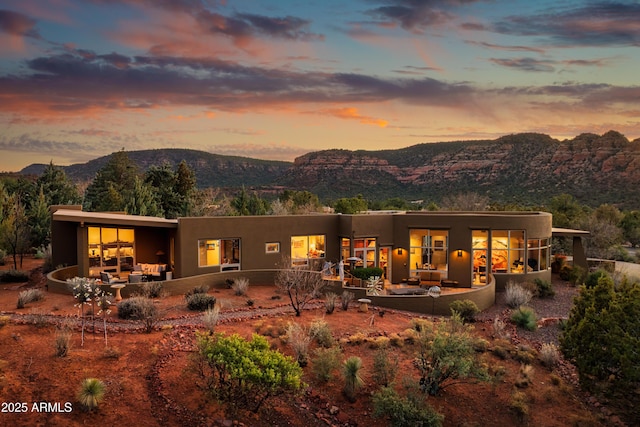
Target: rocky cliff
(521, 168)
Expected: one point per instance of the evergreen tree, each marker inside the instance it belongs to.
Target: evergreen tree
(57, 188)
(142, 200)
(249, 204)
(186, 188)
(350, 205)
(108, 190)
(162, 181)
(40, 220)
(15, 233)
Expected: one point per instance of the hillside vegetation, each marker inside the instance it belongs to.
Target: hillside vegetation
(523, 168)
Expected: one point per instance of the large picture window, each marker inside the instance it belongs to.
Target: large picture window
(365, 249)
(507, 251)
(304, 248)
(538, 253)
(219, 252)
(111, 249)
(429, 250)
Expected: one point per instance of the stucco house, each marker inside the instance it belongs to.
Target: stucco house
(479, 251)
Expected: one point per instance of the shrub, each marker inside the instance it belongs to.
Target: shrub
(519, 405)
(4, 320)
(524, 354)
(365, 273)
(299, 340)
(152, 289)
(330, 299)
(525, 376)
(245, 373)
(320, 331)
(210, 317)
(202, 289)
(325, 361)
(91, 393)
(466, 308)
(200, 302)
(14, 276)
(29, 296)
(525, 317)
(544, 288)
(352, 379)
(516, 295)
(549, 355)
(499, 330)
(139, 308)
(240, 286)
(62, 343)
(346, 298)
(592, 278)
(404, 411)
(385, 367)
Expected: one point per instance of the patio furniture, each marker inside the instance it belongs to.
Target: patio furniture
(364, 304)
(429, 278)
(118, 287)
(109, 279)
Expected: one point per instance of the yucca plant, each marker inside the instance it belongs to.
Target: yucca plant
(352, 379)
(91, 393)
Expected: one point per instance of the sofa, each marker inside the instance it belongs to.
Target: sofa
(152, 271)
(429, 278)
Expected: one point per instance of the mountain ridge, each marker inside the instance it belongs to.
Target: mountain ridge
(524, 168)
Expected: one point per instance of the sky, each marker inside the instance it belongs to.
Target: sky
(275, 79)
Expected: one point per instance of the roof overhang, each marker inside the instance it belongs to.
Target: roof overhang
(104, 218)
(568, 232)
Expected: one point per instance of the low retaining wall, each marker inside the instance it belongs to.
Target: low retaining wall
(484, 297)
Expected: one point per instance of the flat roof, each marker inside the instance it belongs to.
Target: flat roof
(557, 231)
(70, 215)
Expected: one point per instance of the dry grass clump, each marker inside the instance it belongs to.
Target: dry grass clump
(525, 376)
(549, 355)
(27, 296)
(517, 295)
(240, 286)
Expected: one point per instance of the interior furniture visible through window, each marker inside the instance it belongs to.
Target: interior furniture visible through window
(224, 253)
(304, 248)
(111, 250)
(429, 250)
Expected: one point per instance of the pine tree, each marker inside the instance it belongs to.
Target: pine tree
(108, 191)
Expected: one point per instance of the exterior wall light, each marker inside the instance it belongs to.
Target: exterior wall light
(399, 251)
(459, 253)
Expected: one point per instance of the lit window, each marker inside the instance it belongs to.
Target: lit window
(219, 252)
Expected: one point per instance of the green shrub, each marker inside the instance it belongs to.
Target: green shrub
(200, 301)
(320, 331)
(365, 273)
(592, 278)
(352, 379)
(385, 367)
(466, 308)
(544, 288)
(325, 361)
(525, 317)
(91, 393)
(404, 411)
(14, 276)
(28, 296)
(245, 373)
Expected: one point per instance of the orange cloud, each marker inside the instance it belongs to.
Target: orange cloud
(351, 113)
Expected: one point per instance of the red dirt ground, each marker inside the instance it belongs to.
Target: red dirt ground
(150, 383)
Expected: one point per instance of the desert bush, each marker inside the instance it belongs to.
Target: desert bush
(525, 317)
(62, 341)
(28, 296)
(346, 298)
(152, 289)
(516, 295)
(325, 361)
(446, 357)
(330, 299)
(111, 353)
(421, 325)
(524, 354)
(240, 286)
(14, 276)
(385, 366)
(300, 284)
(320, 331)
(544, 288)
(501, 348)
(466, 308)
(245, 373)
(139, 308)
(4, 320)
(352, 379)
(200, 301)
(525, 376)
(210, 317)
(299, 340)
(519, 405)
(592, 278)
(404, 411)
(91, 393)
(202, 289)
(499, 330)
(549, 355)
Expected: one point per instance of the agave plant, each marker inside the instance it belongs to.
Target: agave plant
(91, 393)
(352, 379)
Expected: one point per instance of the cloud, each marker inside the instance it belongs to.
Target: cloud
(415, 15)
(505, 48)
(612, 23)
(351, 113)
(526, 64)
(17, 24)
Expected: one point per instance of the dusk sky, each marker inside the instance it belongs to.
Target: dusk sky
(277, 79)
